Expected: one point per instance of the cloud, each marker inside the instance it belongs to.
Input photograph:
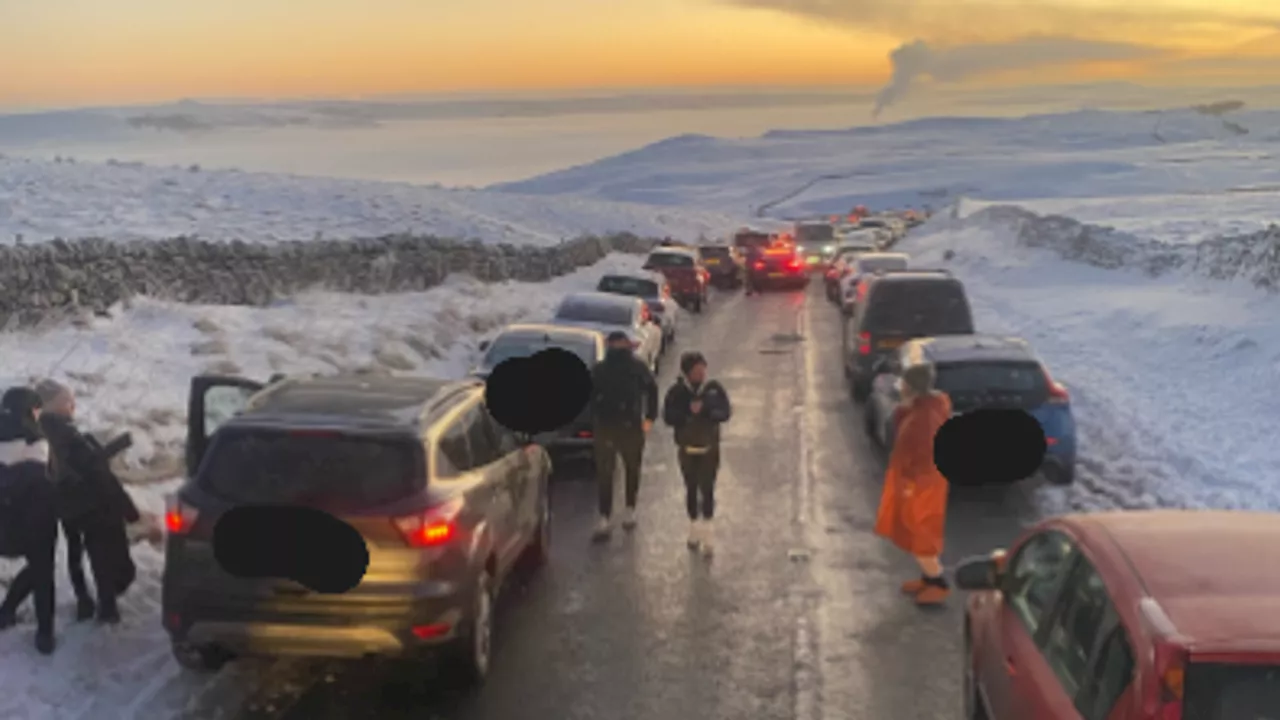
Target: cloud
(978, 21)
(918, 59)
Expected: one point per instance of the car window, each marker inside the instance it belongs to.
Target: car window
(1077, 627)
(1111, 674)
(1035, 573)
(918, 309)
(622, 285)
(1225, 691)
(662, 259)
(604, 313)
(452, 452)
(872, 264)
(481, 437)
(514, 346)
(253, 466)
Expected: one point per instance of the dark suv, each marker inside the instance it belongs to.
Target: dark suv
(448, 502)
(899, 306)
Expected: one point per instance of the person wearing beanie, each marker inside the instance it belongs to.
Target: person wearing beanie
(28, 513)
(93, 506)
(624, 404)
(696, 407)
(913, 505)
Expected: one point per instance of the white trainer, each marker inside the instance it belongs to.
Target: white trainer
(695, 534)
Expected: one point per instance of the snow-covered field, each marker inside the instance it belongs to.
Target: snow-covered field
(43, 199)
(131, 372)
(1170, 375)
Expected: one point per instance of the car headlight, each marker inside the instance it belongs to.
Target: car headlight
(829, 248)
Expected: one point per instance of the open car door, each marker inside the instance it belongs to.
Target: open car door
(212, 401)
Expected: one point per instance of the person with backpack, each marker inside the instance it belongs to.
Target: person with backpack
(696, 407)
(93, 506)
(28, 512)
(624, 404)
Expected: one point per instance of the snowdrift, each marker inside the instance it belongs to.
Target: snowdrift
(1169, 352)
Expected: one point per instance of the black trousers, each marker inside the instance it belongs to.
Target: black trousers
(105, 540)
(699, 471)
(35, 578)
(610, 443)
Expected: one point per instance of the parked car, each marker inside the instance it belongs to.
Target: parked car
(900, 306)
(449, 503)
(845, 254)
(749, 238)
(861, 266)
(779, 266)
(1126, 616)
(725, 264)
(654, 289)
(816, 244)
(685, 274)
(607, 312)
(526, 339)
(982, 371)
(893, 228)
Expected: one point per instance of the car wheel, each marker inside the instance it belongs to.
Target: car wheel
(469, 666)
(973, 707)
(200, 658)
(861, 389)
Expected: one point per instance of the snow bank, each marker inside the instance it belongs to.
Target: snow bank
(131, 372)
(41, 200)
(1170, 373)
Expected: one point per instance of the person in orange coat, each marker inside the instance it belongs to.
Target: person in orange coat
(913, 507)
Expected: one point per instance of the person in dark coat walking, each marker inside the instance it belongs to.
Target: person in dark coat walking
(624, 404)
(754, 254)
(93, 506)
(28, 514)
(695, 407)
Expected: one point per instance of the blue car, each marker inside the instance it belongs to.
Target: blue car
(982, 371)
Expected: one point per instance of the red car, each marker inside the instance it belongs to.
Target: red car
(1157, 615)
(684, 272)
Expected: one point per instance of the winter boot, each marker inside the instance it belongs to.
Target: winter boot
(85, 609)
(913, 587)
(603, 530)
(935, 592)
(108, 611)
(45, 643)
(7, 619)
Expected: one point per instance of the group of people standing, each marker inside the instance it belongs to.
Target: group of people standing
(624, 406)
(51, 476)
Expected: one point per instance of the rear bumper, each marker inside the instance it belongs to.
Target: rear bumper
(337, 630)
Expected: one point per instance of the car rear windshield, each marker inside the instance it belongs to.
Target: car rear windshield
(1227, 692)
(622, 285)
(993, 384)
(872, 264)
(815, 234)
(505, 348)
(605, 314)
(715, 251)
(322, 469)
(917, 309)
(747, 239)
(669, 260)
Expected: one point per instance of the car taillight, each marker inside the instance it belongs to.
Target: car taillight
(864, 343)
(179, 517)
(431, 528)
(794, 264)
(759, 265)
(1171, 671)
(1058, 394)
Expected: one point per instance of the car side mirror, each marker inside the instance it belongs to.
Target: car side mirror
(484, 345)
(981, 573)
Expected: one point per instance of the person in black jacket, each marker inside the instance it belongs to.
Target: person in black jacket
(754, 254)
(696, 407)
(624, 404)
(93, 505)
(28, 514)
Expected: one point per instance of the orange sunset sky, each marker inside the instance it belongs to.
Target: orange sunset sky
(83, 52)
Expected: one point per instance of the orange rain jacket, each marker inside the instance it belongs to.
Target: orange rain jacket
(913, 506)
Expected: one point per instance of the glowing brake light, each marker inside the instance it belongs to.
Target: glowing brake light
(759, 265)
(179, 517)
(431, 528)
(864, 343)
(794, 264)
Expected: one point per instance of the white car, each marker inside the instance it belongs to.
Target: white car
(862, 266)
(891, 227)
(607, 312)
(651, 287)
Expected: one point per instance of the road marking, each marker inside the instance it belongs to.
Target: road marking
(806, 643)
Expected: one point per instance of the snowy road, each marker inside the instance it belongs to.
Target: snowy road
(798, 616)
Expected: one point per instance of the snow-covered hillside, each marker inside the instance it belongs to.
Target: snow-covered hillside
(41, 200)
(933, 162)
